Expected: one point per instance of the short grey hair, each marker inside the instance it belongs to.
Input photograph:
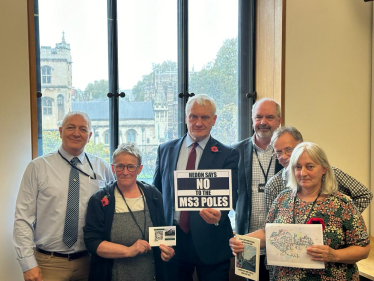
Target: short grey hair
(80, 113)
(257, 103)
(201, 100)
(128, 148)
(316, 153)
(286, 129)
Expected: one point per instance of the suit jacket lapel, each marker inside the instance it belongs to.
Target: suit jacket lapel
(207, 156)
(173, 160)
(248, 155)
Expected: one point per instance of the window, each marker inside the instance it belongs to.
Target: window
(60, 107)
(131, 136)
(213, 61)
(47, 106)
(181, 59)
(46, 74)
(106, 137)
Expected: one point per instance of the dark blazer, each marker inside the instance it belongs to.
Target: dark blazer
(244, 204)
(211, 242)
(98, 228)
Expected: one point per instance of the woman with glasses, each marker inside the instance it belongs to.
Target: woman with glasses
(313, 196)
(117, 222)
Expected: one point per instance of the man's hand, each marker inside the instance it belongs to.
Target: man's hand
(210, 215)
(166, 252)
(33, 274)
(236, 246)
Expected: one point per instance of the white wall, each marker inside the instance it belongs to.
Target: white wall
(15, 136)
(328, 79)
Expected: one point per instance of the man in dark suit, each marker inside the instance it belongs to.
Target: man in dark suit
(257, 164)
(203, 245)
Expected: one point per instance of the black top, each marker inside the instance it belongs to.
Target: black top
(99, 221)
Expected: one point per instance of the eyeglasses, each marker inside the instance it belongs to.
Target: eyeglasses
(121, 167)
(287, 151)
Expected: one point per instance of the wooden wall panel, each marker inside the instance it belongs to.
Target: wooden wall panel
(270, 50)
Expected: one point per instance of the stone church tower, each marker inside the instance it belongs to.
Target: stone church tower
(56, 83)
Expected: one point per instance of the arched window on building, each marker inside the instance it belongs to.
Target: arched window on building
(60, 106)
(106, 137)
(47, 105)
(46, 74)
(131, 135)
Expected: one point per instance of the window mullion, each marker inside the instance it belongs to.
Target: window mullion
(182, 63)
(246, 66)
(113, 74)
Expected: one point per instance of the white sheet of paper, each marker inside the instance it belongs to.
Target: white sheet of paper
(162, 235)
(247, 263)
(286, 244)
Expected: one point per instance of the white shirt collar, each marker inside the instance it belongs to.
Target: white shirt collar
(68, 156)
(202, 143)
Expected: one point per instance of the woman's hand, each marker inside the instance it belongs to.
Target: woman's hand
(166, 252)
(322, 253)
(349, 255)
(139, 247)
(236, 246)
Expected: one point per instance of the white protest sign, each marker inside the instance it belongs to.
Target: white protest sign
(195, 190)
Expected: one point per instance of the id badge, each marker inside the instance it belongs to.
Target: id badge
(261, 187)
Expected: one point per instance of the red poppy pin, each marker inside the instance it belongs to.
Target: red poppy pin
(317, 221)
(214, 148)
(105, 201)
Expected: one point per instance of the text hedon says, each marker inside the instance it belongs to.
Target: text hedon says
(202, 175)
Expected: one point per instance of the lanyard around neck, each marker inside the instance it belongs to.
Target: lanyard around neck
(262, 169)
(132, 214)
(79, 170)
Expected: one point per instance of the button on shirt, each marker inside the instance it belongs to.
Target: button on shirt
(183, 158)
(41, 204)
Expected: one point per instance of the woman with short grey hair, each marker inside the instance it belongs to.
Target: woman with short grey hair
(117, 224)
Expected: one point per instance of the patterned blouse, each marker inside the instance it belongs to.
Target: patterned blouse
(344, 227)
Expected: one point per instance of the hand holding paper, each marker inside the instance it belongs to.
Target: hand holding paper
(139, 247)
(166, 252)
(236, 246)
(210, 216)
(321, 253)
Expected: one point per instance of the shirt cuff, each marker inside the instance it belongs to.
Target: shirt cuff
(27, 263)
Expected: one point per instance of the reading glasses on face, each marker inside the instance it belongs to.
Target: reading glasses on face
(287, 151)
(121, 167)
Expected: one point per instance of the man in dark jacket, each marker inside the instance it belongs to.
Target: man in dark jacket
(202, 241)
